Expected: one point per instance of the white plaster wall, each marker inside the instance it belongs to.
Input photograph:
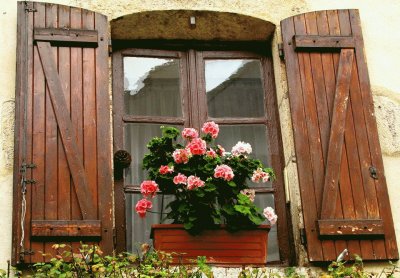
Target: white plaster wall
(380, 20)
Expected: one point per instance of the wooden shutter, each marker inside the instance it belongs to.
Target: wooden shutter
(62, 145)
(343, 188)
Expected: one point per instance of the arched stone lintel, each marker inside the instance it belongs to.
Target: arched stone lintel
(175, 25)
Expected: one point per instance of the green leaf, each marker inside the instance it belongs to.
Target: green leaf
(188, 225)
(242, 209)
(231, 183)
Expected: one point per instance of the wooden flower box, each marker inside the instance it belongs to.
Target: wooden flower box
(245, 247)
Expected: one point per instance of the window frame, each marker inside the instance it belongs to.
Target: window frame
(192, 57)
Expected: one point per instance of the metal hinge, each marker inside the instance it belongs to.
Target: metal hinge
(30, 181)
(29, 7)
(281, 51)
(303, 238)
(27, 252)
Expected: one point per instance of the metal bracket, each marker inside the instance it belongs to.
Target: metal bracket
(30, 181)
(27, 252)
(281, 51)
(29, 7)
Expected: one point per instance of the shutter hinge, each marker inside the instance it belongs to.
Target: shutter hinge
(281, 51)
(27, 252)
(303, 238)
(29, 7)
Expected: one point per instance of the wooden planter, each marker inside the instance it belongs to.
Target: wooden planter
(219, 246)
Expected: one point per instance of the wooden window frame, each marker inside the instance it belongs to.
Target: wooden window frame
(192, 56)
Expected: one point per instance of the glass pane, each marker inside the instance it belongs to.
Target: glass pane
(136, 138)
(263, 201)
(152, 86)
(138, 229)
(255, 135)
(234, 88)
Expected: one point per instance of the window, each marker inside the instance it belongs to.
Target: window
(185, 89)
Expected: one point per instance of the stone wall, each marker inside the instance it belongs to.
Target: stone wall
(380, 21)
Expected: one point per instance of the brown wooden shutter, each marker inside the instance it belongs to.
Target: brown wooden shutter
(342, 182)
(62, 145)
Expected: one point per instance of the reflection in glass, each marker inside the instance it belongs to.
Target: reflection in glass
(234, 88)
(255, 135)
(152, 86)
(263, 201)
(136, 138)
(138, 229)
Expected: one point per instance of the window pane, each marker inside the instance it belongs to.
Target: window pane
(263, 201)
(138, 229)
(234, 88)
(136, 138)
(152, 86)
(255, 135)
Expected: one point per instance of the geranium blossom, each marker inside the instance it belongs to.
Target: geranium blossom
(251, 193)
(211, 128)
(269, 213)
(224, 172)
(221, 150)
(165, 169)
(197, 146)
(190, 133)
(241, 148)
(181, 155)
(180, 179)
(149, 188)
(211, 153)
(194, 182)
(260, 175)
(142, 206)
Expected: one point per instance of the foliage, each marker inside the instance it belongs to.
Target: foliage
(90, 262)
(208, 183)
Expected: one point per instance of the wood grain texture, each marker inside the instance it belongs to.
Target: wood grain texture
(66, 228)
(349, 153)
(51, 91)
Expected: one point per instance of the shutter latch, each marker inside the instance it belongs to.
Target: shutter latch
(373, 172)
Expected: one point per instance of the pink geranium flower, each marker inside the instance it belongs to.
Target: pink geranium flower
(165, 169)
(181, 155)
(241, 148)
(180, 179)
(211, 153)
(189, 133)
(149, 188)
(269, 213)
(194, 182)
(224, 172)
(260, 175)
(142, 206)
(251, 193)
(211, 128)
(197, 146)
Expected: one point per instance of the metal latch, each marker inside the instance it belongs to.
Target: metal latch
(373, 172)
(303, 238)
(30, 181)
(27, 252)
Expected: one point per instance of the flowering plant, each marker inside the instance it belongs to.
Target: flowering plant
(209, 183)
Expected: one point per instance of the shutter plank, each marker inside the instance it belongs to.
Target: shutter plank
(301, 140)
(65, 228)
(334, 30)
(38, 144)
(74, 158)
(323, 118)
(103, 138)
(372, 133)
(302, 42)
(66, 36)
